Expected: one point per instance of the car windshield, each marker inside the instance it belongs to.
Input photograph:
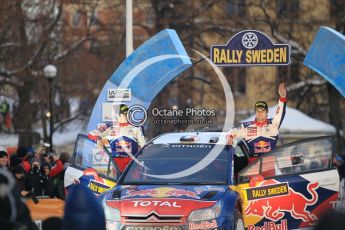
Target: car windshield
(166, 159)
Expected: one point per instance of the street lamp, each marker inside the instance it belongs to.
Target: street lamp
(50, 72)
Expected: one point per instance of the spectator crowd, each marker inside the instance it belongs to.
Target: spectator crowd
(36, 173)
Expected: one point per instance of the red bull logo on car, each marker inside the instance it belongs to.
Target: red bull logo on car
(270, 226)
(274, 208)
(141, 193)
(182, 192)
(162, 192)
(203, 225)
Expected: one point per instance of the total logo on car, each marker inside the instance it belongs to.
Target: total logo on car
(158, 207)
(289, 188)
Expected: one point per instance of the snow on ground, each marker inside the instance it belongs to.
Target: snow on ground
(8, 140)
(60, 137)
(69, 133)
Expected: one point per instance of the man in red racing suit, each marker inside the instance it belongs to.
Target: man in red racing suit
(261, 134)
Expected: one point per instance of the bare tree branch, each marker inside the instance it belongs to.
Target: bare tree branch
(10, 81)
(297, 46)
(28, 64)
(73, 47)
(308, 82)
(67, 120)
(9, 44)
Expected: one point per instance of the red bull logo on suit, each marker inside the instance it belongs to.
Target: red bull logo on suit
(262, 147)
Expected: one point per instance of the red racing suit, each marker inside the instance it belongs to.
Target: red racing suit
(261, 137)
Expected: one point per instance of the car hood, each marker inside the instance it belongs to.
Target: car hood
(165, 200)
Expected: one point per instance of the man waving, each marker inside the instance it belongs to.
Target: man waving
(261, 134)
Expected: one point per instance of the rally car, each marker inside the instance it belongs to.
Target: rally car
(193, 181)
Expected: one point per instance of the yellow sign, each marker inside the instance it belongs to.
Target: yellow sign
(98, 187)
(267, 191)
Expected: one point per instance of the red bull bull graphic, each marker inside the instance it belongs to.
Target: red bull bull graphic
(262, 147)
(274, 208)
(182, 192)
(161, 192)
(123, 146)
(141, 193)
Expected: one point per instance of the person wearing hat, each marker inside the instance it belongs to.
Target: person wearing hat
(261, 134)
(124, 139)
(23, 154)
(58, 167)
(339, 162)
(15, 160)
(14, 213)
(3, 160)
(83, 211)
(22, 184)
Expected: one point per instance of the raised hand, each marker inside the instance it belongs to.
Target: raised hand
(282, 90)
(230, 140)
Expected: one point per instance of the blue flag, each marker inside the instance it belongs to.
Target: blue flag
(326, 56)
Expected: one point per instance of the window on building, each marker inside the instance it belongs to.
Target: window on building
(294, 75)
(76, 19)
(236, 77)
(290, 73)
(95, 47)
(94, 22)
(287, 9)
(236, 7)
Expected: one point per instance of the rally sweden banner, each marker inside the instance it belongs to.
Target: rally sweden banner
(250, 47)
